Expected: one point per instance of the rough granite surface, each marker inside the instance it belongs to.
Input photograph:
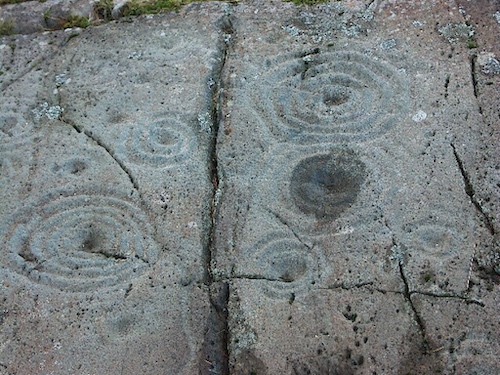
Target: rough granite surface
(252, 187)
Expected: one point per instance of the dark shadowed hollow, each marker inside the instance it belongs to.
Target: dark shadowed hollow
(326, 185)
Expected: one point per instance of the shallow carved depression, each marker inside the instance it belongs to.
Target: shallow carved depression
(287, 265)
(435, 236)
(14, 130)
(326, 185)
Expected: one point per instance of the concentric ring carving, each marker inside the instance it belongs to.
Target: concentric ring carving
(79, 242)
(15, 130)
(286, 264)
(434, 236)
(162, 143)
(330, 97)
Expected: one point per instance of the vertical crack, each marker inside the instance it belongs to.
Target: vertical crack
(398, 256)
(469, 190)
(473, 75)
(418, 319)
(213, 168)
(215, 353)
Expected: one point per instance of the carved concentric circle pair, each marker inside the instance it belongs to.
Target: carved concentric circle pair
(163, 142)
(308, 195)
(330, 97)
(434, 234)
(79, 241)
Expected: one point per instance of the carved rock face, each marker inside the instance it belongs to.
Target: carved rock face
(326, 185)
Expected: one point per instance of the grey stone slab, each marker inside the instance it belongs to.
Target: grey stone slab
(348, 132)
(106, 194)
(150, 329)
(253, 187)
(347, 149)
(145, 98)
(87, 284)
(463, 333)
(325, 331)
(483, 164)
(30, 17)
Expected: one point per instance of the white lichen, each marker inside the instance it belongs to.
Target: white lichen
(51, 112)
(488, 63)
(455, 32)
(496, 15)
(419, 116)
(388, 44)
(205, 121)
(292, 30)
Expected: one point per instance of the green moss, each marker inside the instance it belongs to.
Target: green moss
(428, 276)
(471, 43)
(138, 7)
(76, 21)
(46, 15)
(65, 22)
(103, 9)
(3, 2)
(307, 2)
(6, 28)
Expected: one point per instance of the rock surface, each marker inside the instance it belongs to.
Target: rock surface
(253, 188)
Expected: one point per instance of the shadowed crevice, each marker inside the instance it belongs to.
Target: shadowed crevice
(215, 353)
(213, 165)
(451, 296)
(469, 190)
(416, 315)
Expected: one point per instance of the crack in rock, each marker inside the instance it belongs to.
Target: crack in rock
(407, 293)
(215, 352)
(469, 190)
(214, 357)
(416, 315)
(450, 295)
(285, 223)
(101, 144)
(473, 59)
(215, 174)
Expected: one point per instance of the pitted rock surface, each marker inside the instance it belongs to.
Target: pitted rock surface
(251, 187)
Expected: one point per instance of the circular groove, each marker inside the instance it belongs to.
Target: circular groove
(79, 242)
(332, 96)
(163, 143)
